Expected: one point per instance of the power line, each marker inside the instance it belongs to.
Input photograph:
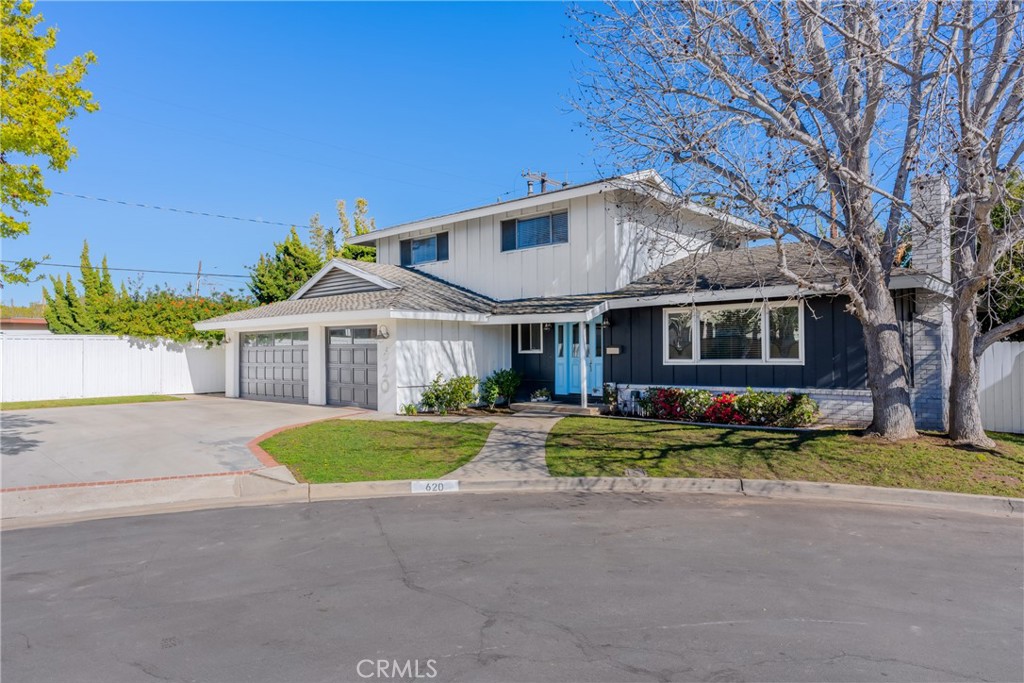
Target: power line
(130, 270)
(188, 211)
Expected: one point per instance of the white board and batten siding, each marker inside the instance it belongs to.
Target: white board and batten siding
(45, 367)
(607, 249)
(424, 348)
(1001, 387)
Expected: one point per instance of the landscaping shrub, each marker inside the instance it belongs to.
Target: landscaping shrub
(507, 382)
(490, 394)
(676, 404)
(461, 392)
(445, 396)
(723, 411)
(753, 407)
(435, 396)
(803, 410)
(762, 407)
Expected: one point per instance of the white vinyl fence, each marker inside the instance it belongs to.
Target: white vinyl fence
(1002, 387)
(40, 367)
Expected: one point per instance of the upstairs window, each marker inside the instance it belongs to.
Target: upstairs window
(523, 233)
(420, 250)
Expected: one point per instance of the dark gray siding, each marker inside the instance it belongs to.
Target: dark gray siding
(833, 354)
(536, 369)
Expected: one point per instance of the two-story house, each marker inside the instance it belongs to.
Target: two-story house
(612, 282)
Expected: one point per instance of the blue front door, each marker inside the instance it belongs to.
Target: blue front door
(562, 332)
(567, 358)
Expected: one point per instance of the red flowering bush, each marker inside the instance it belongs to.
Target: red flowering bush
(723, 411)
(751, 408)
(676, 404)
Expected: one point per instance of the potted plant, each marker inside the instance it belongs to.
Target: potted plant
(541, 395)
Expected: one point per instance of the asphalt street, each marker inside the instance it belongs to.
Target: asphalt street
(527, 587)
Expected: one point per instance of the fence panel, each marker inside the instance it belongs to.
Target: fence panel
(1002, 387)
(41, 367)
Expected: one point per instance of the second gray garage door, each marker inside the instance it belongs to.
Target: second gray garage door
(274, 366)
(352, 367)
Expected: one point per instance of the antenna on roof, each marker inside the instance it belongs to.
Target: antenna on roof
(544, 180)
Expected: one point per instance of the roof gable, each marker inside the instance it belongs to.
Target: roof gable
(339, 277)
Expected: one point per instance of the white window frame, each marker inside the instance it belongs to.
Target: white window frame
(540, 327)
(765, 306)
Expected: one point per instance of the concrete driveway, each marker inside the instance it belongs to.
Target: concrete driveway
(200, 435)
(530, 587)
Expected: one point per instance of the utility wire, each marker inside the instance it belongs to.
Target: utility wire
(129, 270)
(188, 211)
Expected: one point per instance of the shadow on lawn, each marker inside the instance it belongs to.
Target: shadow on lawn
(696, 448)
(639, 443)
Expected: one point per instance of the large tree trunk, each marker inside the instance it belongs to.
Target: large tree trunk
(964, 406)
(893, 417)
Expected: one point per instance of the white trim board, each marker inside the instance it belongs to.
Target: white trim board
(338, 318)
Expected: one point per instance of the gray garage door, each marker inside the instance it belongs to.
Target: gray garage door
(275, 366)
(352, 367)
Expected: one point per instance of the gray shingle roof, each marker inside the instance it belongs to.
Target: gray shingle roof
(416, 291)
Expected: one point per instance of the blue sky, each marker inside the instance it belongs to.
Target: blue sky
(274, 111)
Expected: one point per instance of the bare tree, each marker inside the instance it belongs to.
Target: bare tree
(980, 140)
(804, 117)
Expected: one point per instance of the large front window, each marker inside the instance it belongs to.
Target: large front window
(730, 334)
(735, 333)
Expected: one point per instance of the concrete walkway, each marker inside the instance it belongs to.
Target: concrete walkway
(514, 450)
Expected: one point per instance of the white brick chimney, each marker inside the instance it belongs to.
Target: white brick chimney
(929, 197)
(932, 326)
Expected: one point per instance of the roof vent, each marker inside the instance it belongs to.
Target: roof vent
(543, 179)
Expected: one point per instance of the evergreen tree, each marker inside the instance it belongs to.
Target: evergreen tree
(324, 240)
(279, 275)
(58, 313)
(362, 223)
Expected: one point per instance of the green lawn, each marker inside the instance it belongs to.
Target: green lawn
(372, 450)
(68, 402)
(580, 446)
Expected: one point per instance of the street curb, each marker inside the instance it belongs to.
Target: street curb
(847, 493)
(21, 509)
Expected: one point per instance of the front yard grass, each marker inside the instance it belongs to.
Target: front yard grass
(591, 447)
(102, 401)
(376, 450)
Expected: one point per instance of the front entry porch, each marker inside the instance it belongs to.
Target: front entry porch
(574, 370)
(566, 358)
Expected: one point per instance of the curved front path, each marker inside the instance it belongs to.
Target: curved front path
(514, 450)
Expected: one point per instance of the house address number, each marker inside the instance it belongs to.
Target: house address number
(444, 486)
